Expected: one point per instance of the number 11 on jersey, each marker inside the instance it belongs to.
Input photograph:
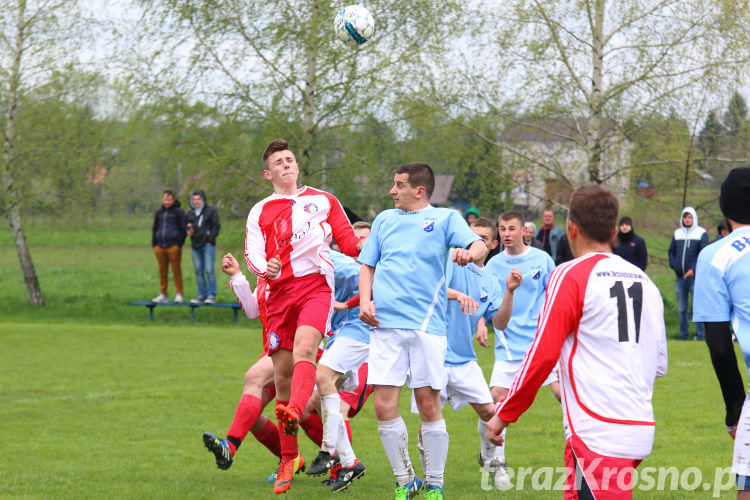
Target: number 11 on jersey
(635, 292)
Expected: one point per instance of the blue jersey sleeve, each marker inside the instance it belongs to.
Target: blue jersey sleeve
(370, 253)
(459, 232)
(711, 300)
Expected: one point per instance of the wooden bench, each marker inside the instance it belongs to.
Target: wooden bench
(193, 306)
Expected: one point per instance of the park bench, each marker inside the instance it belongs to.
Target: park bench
(235, 306)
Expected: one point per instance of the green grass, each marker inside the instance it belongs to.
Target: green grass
(118, 411)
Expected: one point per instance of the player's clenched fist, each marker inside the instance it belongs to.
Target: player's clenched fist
(273, 268)
(230, 265)
(495, 428)
(461, 256)
(367, 314)
(514, 279)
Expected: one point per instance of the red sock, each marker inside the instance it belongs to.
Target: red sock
(268, 436)
(349, 431)
(313, 427)
(303, 384)
(245, 416)
(289, 450)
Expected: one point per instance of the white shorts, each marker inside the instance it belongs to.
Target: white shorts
(345, 356)
(741, 456)
(504, 372)
(465, 384)
(397, 354)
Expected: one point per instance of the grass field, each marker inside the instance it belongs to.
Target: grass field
(118, 411)
(98, 402)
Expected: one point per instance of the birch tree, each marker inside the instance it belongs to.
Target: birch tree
(37, 43)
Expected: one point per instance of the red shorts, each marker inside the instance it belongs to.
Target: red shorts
(356, 398)
(305, 301)
(590, 475)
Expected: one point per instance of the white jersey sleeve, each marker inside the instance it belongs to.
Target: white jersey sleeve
(245, 295)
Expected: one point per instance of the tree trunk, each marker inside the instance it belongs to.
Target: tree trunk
(9, 166)
(594, 132)
(24, 258)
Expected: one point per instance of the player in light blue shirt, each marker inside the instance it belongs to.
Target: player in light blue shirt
(346, 323)
(403, 268)
(472, 290)
(532, 267)
(722, 296)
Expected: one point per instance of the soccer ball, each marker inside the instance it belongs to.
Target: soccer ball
(354, 24)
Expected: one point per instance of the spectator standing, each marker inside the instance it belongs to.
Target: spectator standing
(471, 215)
(688, 240)
(167, 237)
(528, 233)
(203, 227)
(629, 245)
(548, 236)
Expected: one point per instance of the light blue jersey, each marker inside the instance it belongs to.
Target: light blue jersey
(535, 266)
(346, 283)
(722, 285)
(477, 284)
(408, 251)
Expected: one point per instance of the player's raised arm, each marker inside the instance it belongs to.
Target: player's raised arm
(502, 316)
(240, 286)
(463, 256)
(342, 229)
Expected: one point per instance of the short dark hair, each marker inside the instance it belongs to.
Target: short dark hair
(274, 146)
(360, 224)
(594, 210)
(485, 222)
(512, 214)
(169, 192)
(419, 174)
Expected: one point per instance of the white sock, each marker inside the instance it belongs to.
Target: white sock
(395, 439)
(435, 441)
(420, 448)
(330, 405)
(343, 445)
(489, 450)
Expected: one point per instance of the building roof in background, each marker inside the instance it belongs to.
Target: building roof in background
(443, 185)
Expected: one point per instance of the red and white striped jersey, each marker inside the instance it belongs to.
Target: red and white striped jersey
(298, 229)
(603, 320)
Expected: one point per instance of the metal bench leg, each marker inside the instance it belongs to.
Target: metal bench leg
(192, 314)
(234, 319)
(151, 312)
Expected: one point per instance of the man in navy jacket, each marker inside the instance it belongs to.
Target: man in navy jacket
(688, 240)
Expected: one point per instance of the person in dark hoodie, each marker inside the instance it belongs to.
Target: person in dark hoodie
(629, 245)
(203, 228)
(688, 240)
(167, 238)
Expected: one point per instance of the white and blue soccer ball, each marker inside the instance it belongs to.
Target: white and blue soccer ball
(354, 24)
